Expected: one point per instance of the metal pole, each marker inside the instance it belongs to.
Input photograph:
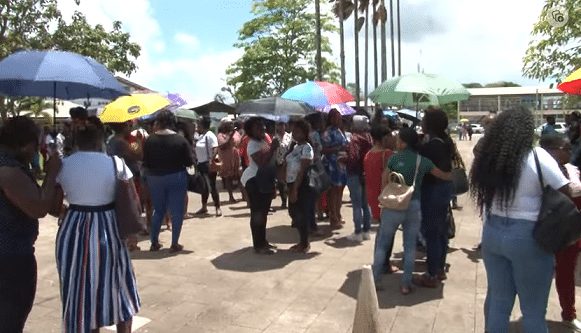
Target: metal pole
(342, 42)
(392, 42)
(398, 41)
(54, 106)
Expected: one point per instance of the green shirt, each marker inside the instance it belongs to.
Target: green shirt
(404, 162)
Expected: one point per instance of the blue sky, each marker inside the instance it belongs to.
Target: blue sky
(188, 44)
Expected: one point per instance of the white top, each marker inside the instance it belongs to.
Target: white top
(202, 150)
(293, 160)
(285, 142)
(88, 179)
(575, 179)
(527, 197)
(254, 146)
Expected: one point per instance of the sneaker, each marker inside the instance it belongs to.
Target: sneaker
(357, 238)
(366, 235)
(574, 324)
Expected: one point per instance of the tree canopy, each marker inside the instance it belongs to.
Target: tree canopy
(38, 24)
(554, 51)
(279, 46)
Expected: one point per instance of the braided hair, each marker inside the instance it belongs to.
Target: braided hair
(497, 165)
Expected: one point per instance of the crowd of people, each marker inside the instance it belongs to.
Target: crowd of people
(307, 163)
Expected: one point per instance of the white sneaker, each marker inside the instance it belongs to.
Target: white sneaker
(574, 324)
(366, 235)
(355, 238)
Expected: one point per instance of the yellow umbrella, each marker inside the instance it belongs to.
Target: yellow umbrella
(127, 108)
(572, 84)
(464, 120)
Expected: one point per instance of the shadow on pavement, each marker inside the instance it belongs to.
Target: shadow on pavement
(342, 243)
(239, 216)
(144, 254)
(473, 254)
(390, 297)
(554, 327)
(245, 260)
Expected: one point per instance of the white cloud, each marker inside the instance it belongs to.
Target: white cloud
(186, 40)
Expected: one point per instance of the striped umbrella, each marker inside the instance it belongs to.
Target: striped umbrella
(318, 94)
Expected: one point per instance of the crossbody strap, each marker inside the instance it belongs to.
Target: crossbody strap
(208, 148)
(539, 171)
(418, 160)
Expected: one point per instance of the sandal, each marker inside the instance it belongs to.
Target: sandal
(155, 247)
(176, 248)
(218, 212)
(264, 251)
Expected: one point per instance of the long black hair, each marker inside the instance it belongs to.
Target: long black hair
(498, 162)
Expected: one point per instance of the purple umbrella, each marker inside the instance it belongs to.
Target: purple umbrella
(343, 109)
(176, 100)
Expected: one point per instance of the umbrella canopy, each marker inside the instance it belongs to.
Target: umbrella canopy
(419, 90)
(572, 84)
(318, 94)
(186, 114)
(132, 107)
(177, 101)
(411, 115)
(274, 106)
(214, 107)
(343, 109)
(464, 120)
(57, 74)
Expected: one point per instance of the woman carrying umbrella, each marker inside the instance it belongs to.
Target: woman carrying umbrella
(334, 147)
(97, 282)
(22, 203)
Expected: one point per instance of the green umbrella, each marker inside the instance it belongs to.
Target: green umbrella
(419, 89)
(186, 114)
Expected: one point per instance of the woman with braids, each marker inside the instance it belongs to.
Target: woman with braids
(436, 195)
(505, 185)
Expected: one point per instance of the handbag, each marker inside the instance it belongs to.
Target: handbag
(559, 222)
(127, 204)
(396, 195)
(197, 182)
(459, 175)
(319, 180)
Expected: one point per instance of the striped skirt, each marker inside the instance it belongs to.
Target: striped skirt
(97, 282)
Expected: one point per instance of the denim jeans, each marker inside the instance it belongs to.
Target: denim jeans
(390, 220)
(167, 194)
(515, 265)
(435, 204)
(361, 211)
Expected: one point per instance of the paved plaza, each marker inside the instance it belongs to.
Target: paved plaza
(219, 285)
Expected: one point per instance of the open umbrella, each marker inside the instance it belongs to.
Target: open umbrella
(56, 74)
(464, 120)
(572, 84)
(419, 89)
(343, 108)
(411, 115)
(274, 107)
(132, 107)
(186, 114)
(177, 101)
(318, 94)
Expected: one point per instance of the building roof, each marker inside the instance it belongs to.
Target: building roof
(500, 91)
(132, 86)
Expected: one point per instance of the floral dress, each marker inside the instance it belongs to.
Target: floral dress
(332, 138)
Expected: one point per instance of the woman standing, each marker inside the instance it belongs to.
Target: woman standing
(374, 164)
(206, 150)
(97, 282)
(413, 167)
(228, 141)
(301, 195)
(22, 203)
(334, 149)
(507, 190)
(260, 154)
(166, 155)
(436, 196)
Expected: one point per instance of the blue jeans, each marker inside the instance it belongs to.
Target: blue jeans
(167, 194)
(435, 204)
(515, 265)
(361, 211)
(390, 220)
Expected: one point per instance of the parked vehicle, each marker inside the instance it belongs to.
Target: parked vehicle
(477, 128)
(560, 127)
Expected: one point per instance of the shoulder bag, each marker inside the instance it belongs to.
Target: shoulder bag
(559, 222)
(396, 195)
(127, 205)
(459, 175)
(196, 181)
(214, 162)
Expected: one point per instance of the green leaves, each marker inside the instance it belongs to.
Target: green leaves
(554, 51)
(279, 49)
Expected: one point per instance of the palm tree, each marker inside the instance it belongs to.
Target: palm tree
(382, 14)
(342, 10)
(318, 58)
(375, 63)
(35, 107)
(364, 7)
(357, 27)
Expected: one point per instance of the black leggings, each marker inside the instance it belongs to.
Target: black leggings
(17, 291)
(210, 178)
(259, 206)
(302, 212)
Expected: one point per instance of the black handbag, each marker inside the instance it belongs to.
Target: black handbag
(319, 180)
(460, 181)
(559, 222)
(197, 183)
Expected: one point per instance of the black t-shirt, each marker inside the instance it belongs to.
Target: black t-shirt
(439, 151)
(166, 154)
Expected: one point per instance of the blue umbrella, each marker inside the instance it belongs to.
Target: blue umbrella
(56, 74)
